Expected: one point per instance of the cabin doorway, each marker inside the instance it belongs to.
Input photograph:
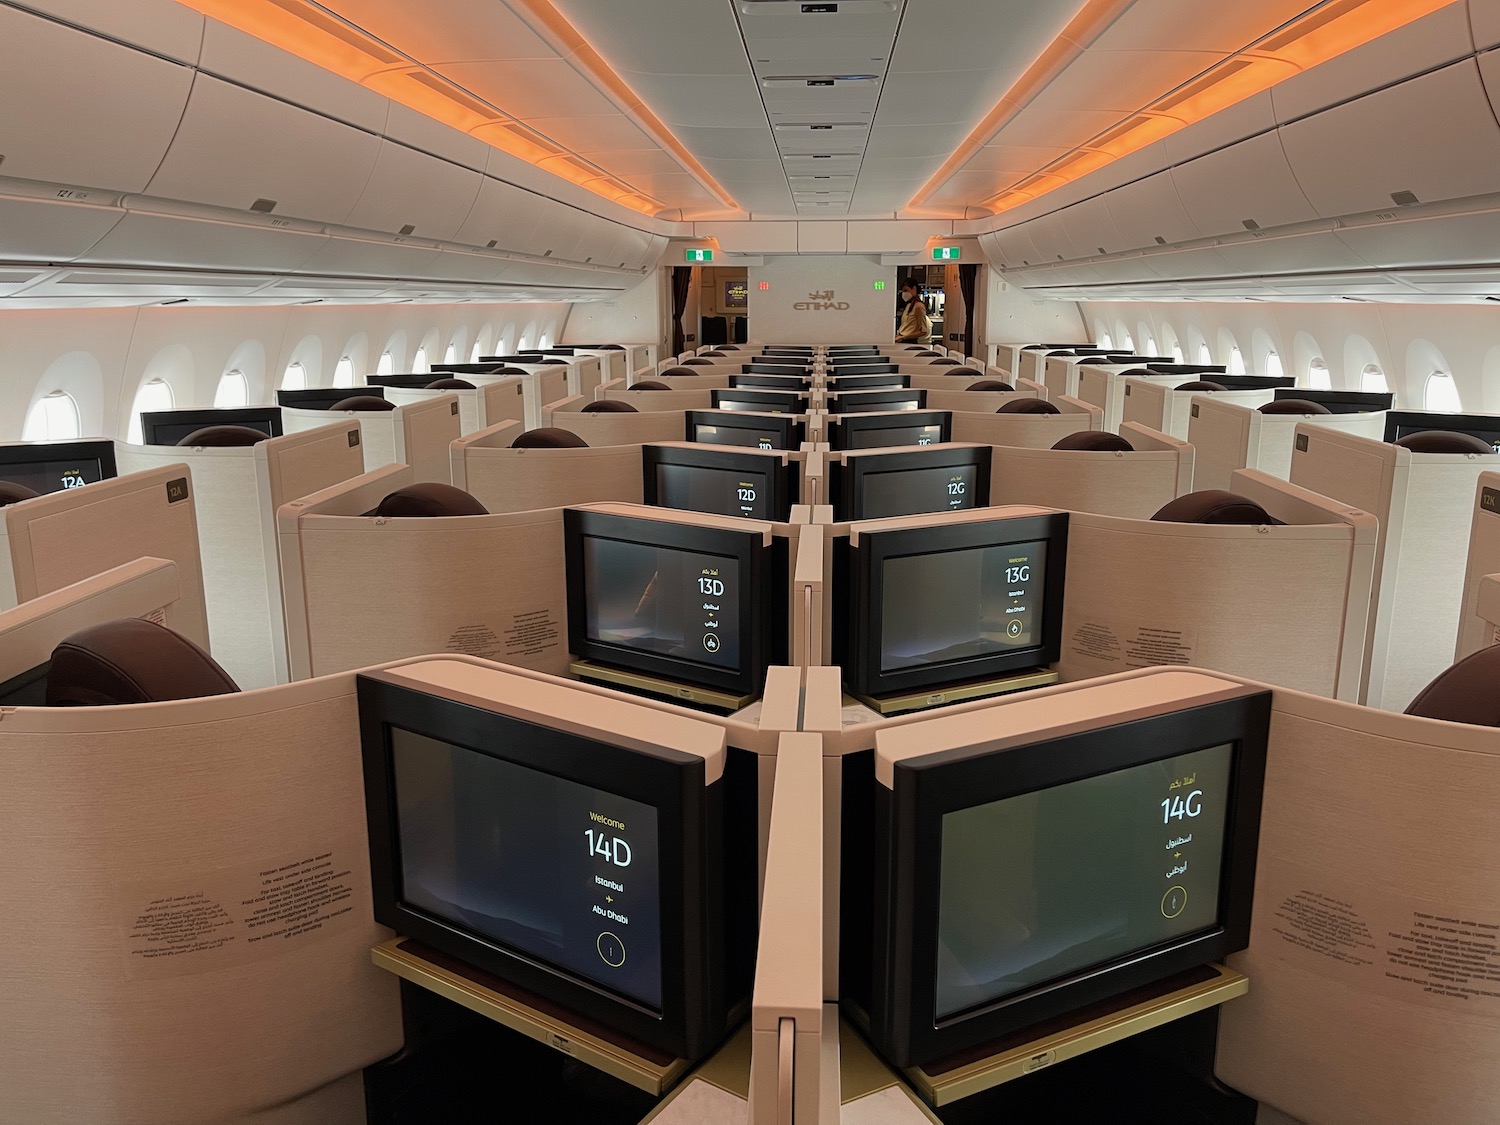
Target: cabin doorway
(723, 305)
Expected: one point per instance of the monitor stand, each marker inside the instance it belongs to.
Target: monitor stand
(674, 690)
(958, 693)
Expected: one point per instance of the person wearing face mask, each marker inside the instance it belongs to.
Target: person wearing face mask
(915, 328)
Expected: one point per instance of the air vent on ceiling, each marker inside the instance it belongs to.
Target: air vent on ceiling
(492, 243)
(264, 206)
(1250, 224)
(453, 94)
(820, 9)
(1116, 132)
(407, 229)
(1198, 85)
(1296, 30)
(344, 32)
(819, 79)
(1403, 198)
(1160, 241)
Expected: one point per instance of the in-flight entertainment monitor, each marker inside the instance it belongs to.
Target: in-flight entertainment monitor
(869, 379)
(794, 383)
(750, 484)
(1401, 423)
(847, 402)
(1341, 402)
(949, 603)
(694, 604)
(52, 466)
(879, 431)
(26, 689)
(1249, 382)
(1021, 880)
(408, 382)
(853, 349)
(771, 367)
(325, 398)
(909, 482)
(758, 431)
(759, 402)
(168, 427)
(602, 878)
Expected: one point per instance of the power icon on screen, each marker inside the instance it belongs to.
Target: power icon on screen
(1174, 902)
(1013, 627)
(711, 642)
(611, 949)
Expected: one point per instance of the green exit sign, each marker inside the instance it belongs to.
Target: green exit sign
(879, 286)
(945, 253)
(700, 255)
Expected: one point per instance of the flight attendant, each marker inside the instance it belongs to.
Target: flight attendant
(916, 327)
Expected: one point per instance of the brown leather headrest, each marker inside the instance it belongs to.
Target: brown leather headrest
(1097, 441)
(697, 363)
(1293, 406)
(450, 385)
(681, 371)
(131, 661)
(1213, 505)
(713, 355)
(1196, 385)
(1468, 692)
(944, 363)
(214, 437)
(429, 499)
(1444, 441)
(363, 402)
(1027, 406)
(609, 406)
(554, 360)
(548, 437)
(928, 351)
(649, 385)
(990, 385)
(510, 371)
(13, 493)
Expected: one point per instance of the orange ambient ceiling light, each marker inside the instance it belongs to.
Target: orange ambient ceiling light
(1324, 33)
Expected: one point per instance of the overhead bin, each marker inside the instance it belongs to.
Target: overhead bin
(1250, 181)
(1434, 137)
(1484, 20)
(53, 222)
(163, 27)
(165, 232)
(1248, 118)
(232, 150)
(1050, 238)
(1092, 228)
(501, 213)
(97, 113)
(411, 193)
(368, 254)
(1015, 248)
(1424, 239)
(1149, 209)
(557, 233)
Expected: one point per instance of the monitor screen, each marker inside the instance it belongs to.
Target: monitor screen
(406, 382)
(1403, 423)
(908, 483)
(881, 431)
(56, 466)
(716, 481)
(770, 367)
(948, 603)
(324, 398)
(27, 689)
(168, 427)
(758, 431)
(1340, 402)
(875, 380)
(689, 602)
(759, 402)
(847, 402)
(794, 383)
(736, 294)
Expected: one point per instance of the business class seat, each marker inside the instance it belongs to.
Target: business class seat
(1213, 506)
(1293, 406)
(1097, 441)
(12, 493)
(649, 385)
(363, 402)
(680, 369)
(990, 385)
(128, 661)
(222, 437)
(608, 406)
(429, 499)
(454, 384)
(549, 437)
(944, 362)
(1199, 386)
(1465, 693)
(1443, 441)
(1028, 406)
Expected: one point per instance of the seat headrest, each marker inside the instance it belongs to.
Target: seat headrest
(1027, 406)
(509, 371)
(944, 362)
(216, 437)
(363, 402)
(450, 385)
(1198, 385)
(1444, 441)
(13, 493)
(549, 437)
(1468, 692)
(609, 406)
(131, 661)
(429, 499)
(697, 363)
(649, 385)
(990, 385)
(555, 360)
(680, 370)
(1213, 505)
(1293, 406)
(713, 355)
(611, 347)
(1097, 441)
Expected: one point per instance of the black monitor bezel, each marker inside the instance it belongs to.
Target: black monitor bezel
(780, 478)
(768, 381)
(247, 416)
(761, 642)
(853, 349)
(26, 689)
(324, 398)
(908, 830)
(762, 367)
(1421, 421)
(858, 624)
(690, 841)
(870, 402)
(775, 402)
(1187, 368)
(894, 420)
(791, 429)
(1356, 402)
(1246, 382)
(101, 450)
(407, 382)
(847, 478)
(875, 377)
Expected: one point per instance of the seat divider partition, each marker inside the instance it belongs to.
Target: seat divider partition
(1477, 623)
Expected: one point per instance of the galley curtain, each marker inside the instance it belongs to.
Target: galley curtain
(968, 282)
(682, 282)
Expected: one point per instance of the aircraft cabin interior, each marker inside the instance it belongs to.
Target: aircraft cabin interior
(750, 562)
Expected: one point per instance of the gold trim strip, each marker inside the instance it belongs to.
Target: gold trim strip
(980, 689)
(655, 685)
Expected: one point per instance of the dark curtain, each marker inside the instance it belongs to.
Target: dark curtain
(682, 282)
(968, 282)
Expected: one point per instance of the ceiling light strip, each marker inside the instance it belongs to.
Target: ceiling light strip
(312, 33)
(560, 34)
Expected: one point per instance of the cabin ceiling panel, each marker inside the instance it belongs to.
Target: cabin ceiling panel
(710, 101)
(1121, 82)
(445, 31)
(164, 27)
(530, 88)
(1192, 25)
(602, 134)
(1484, 21)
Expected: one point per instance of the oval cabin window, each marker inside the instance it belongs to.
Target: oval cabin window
(295, 378)
(155, 395)
(1273, 366)
(386, 366)
(419, 362)
(1317, 376)
(1442, 393)
(1373, 379)
(53, 418)
(343, 374)
(1236, 362)
(233, 391)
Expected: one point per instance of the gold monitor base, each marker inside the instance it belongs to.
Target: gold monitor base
(958, 693)
(658, 686)
(941, 1083)
(403, 956)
